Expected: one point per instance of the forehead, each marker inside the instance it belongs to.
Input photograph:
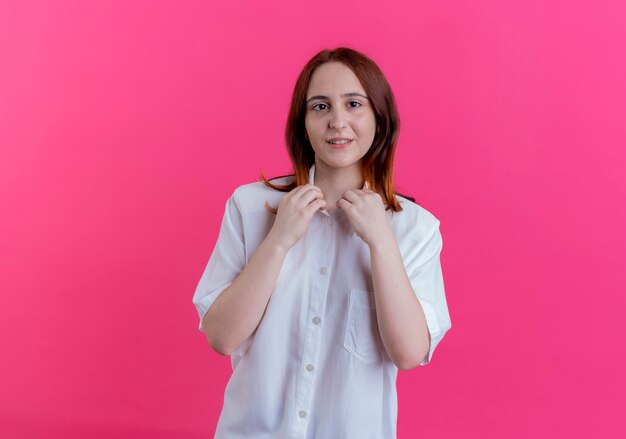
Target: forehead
(334, 78)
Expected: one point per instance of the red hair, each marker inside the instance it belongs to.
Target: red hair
(378, 161)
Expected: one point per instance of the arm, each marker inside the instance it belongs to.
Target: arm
(411, 307)
(237, 311)
(401, 320)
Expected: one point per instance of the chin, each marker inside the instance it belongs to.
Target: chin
(342, 164)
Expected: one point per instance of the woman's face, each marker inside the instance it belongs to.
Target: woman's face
(337, 107)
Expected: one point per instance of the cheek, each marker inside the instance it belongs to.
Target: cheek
(373, 124)
(308, 123)
(368, 125)
(313, 126)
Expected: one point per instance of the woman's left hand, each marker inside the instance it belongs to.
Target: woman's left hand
(366, 212)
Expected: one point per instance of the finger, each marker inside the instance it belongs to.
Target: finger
(301, 190)
(295, 194)
(343, 204)
(350, 195)
(308, 196)
(313, 206)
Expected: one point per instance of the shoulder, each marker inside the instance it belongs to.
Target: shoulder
(251, 197)
(414, 221)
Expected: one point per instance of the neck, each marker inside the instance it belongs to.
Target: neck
(335, 181)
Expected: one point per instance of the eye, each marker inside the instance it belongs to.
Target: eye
(355, 102)
(315, 107)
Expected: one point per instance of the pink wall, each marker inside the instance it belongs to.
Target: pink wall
(124, 126)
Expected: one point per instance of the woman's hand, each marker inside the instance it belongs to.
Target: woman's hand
(295, 211)
(366, 212)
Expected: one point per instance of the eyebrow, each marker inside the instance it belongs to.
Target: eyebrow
(344, 95)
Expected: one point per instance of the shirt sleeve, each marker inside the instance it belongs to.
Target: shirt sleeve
(226, 261)
(423, 265)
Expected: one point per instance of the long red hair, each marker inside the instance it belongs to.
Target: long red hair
(378, 161)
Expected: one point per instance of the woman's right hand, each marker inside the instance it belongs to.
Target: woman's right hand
(295, 211)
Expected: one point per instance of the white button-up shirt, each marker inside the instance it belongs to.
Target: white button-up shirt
(316, 366)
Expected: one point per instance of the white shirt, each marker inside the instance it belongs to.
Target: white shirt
(316, 367)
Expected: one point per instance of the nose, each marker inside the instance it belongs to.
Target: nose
(337, 118)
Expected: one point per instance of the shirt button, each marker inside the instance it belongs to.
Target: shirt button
(310, 367)
(302, 414)
(323, 270)
(316, 320)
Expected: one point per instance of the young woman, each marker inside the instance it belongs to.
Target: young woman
(323, 283)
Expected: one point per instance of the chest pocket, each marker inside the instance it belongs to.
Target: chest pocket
(362, 338)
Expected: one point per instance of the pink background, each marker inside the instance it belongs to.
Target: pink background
(124, 127)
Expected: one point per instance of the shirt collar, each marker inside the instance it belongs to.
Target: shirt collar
(324, 211)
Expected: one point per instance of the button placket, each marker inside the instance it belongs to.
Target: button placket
(323, 257)
(311, 348)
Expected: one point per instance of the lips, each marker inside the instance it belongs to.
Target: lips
(339, 140)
